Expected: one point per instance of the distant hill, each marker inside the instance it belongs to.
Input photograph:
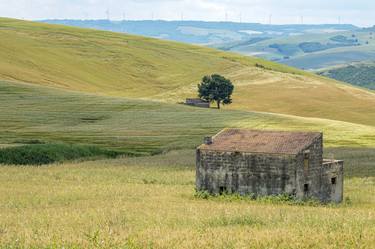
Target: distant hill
(312, 51)
(308, 47)
(200, 32)
(360, 74)
(113, 64)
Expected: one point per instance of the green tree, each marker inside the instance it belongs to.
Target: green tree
(216, 88)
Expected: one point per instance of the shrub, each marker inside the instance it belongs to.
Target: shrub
(39, 154)
(202, 195)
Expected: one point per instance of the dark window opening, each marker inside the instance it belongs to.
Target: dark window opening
(222, 190)
(333, 180)
(306, 188)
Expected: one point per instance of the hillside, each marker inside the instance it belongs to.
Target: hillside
(114, 64)
(30, 113)
(309, 47)
(360, 74)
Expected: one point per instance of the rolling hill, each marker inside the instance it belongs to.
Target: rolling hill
(360, 74)
(128, 66)
(308, 47)
(33, 114)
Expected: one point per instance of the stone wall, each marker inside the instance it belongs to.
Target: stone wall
(309, 171)
(197, 103)
(332, 187)
(245, 173)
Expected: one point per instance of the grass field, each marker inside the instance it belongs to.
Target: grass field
(114, 93)
(149, 202)
(33, 113)
(114, 64)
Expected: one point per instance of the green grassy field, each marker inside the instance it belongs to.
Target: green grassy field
(30, 113)
(114, 64)
(149, 202)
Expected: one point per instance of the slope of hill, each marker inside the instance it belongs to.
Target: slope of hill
(114, 64)
(360, 74)
(200, 32)
(105, 62)
(30, 113)
(310, 47)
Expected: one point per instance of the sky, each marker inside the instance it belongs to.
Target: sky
(358, 12)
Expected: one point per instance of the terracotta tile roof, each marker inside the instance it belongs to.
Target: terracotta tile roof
(258, 141)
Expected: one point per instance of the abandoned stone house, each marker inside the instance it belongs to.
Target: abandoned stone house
(268, 163)
(198, 103)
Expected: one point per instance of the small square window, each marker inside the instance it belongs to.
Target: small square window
(333, 180)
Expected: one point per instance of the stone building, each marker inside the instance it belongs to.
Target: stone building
(268, 163)
(198, 103)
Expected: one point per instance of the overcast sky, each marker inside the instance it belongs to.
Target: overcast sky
(359, 12)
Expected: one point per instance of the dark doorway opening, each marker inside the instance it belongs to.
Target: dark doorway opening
(306, 188)
(222, 190)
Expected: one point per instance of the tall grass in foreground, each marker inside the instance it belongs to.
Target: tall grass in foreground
(148, 202)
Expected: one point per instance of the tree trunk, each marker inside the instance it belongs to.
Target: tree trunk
(218, 104)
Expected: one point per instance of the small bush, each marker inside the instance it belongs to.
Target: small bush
(202, 195)
(260, 66)
(39, 154)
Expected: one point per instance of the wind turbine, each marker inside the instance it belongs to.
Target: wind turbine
(107, 14)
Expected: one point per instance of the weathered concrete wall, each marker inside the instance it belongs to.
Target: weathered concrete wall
(332, 187)
(309, 171)
(245, 173)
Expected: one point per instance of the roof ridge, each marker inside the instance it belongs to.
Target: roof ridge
(261, 141)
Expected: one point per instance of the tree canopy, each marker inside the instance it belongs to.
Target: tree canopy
(216, 88)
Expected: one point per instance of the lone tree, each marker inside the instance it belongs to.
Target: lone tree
(216, 88)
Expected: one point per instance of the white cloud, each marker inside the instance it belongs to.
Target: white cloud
(287, 11)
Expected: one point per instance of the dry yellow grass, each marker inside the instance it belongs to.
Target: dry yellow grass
(149, 203)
